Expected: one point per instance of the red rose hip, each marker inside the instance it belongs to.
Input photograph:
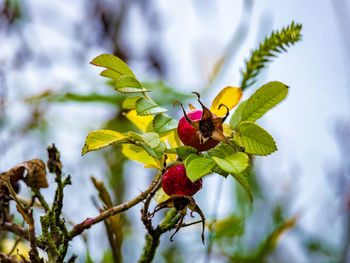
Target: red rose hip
(175, 182)
(189, 136)
(201, 129)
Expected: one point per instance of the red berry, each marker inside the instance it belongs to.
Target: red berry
(175, 182)
(188, 134)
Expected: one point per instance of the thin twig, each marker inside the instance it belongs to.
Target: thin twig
(87, 223)
(28, 217)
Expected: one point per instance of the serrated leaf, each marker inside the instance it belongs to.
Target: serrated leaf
(236, 118)
(156, 152)
(199, 167)
(151, 139)
(264, 99)
(254, 139)
(184, 151)
(141, 122)
(100, 139)
(130, 102)
(229, 96)
(113, 63)
(162, 123)
(234, 164)
(222, 150)
(129, 84)
(145, 107)
(244, 183)
(139, 154)
(190, 158)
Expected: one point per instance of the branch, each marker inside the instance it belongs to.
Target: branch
(152, 239)
(20, 232)
(28, 217)
(87, 223)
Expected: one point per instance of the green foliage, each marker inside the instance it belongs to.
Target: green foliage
(146, 107)
(116, 67)
(184, 151)
(198, 167)
(275, 43)
(254, 139)
(129, 84)
(130, 102)
(233, 164)
(163, 123)
(265, 98)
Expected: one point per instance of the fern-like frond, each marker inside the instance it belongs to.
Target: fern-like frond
(277, 42)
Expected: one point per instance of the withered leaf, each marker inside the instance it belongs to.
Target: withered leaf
(35, 176)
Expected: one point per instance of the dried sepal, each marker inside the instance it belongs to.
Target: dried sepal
(181, 203)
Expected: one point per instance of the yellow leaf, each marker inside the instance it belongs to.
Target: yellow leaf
(173, 139)
(160, 196)
(100, 139)
(229, 96)
(141, 122)
(152, 166)
(137, 153)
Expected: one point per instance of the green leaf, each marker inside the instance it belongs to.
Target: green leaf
(151, 139)
(130, 102)
(244, 183)
(113, 63)
(129, 84)
(190, 158)
(264, 99)
(148, 141)
(236, 164)
(102, 138)
(236, 118)
(184, 151)
(162, 123)
(254, 139)
(156, 152)
(199, 167)
(111, 74)
(222, 150)
(218, 170)
(145, 107)
(233, 164)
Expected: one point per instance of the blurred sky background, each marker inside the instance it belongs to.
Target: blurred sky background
(51, 45)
